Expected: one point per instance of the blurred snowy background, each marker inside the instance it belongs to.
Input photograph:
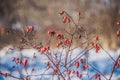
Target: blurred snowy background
(99, 15)
(100, 61)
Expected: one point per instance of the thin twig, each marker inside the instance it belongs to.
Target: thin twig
(114, 68)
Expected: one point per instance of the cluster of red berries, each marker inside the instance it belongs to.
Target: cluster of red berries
(97, 76)
(59, 43)
(77, 64)
(36, 47)
(78, 74)
(118, 23)
(18, 60)
(57, 64)
(60, 36)
(118, 31)
(25, 62)
(41, 49)
(55, 70)
(75, 72)
(44, 49)
(67, 42)
(96, 46)
(26, 78)
(62, 12)
(78, 13)
(65, 18)
(69, 72)
(97, 38)
(85, 67)
(51, 33)
(30, 28)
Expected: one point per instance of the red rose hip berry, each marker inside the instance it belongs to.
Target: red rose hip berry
(118, 33)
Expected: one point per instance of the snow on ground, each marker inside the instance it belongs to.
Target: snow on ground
(100, 60)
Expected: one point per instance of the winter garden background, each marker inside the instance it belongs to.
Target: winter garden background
(59, 39)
